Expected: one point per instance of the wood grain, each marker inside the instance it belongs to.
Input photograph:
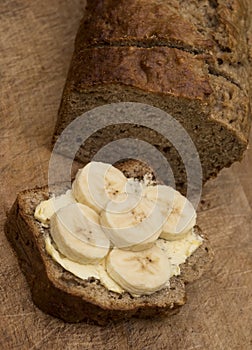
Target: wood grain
(36, 43)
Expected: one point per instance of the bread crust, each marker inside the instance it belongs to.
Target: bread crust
(61, 294)
(126, 23)
(214, 112)
(122, 55)
(161, 70)
(216, 28)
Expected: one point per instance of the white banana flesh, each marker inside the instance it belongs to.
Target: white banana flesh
(134, 223)
(180, 213)
(76, 231)
(134, 186)
(139, 273)
(97, 183)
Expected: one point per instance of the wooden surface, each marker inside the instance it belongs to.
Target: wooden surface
(36, 41)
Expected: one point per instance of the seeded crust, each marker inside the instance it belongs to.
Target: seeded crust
(61, 294)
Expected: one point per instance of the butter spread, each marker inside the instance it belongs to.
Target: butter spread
(83, 271)
(178, 251)
(45, 210)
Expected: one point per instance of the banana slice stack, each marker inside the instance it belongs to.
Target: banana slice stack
(111, 221)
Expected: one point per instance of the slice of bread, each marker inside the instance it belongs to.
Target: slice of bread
(59, 293)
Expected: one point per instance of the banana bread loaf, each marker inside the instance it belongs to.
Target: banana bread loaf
(189, 58)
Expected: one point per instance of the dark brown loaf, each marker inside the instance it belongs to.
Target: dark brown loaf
(201, 79)
(214, 111)
(143, 23)
(61, 294)
(216, 28)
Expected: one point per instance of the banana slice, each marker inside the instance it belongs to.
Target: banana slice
(97, 183)
(134, 223)
(76, 231)
(139, 273)
(134, 186)
(180, 213)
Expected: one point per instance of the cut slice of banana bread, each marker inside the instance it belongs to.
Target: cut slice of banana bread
(61, 294)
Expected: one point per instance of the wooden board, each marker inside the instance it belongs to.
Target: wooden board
(36, 42)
